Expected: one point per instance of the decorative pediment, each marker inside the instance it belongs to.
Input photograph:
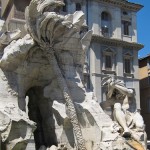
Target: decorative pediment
(128, 55)
(109, 51)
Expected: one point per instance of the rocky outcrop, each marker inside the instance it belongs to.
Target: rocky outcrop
(41, 82)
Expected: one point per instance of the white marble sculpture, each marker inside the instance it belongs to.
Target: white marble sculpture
(13, 121)
(132, 123)
(41, 85)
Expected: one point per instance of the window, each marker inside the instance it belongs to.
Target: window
(128, 62)
(105, 24)
(78, 6)
(126, 25)
(127, 65)
(105, 16)
(108, 61)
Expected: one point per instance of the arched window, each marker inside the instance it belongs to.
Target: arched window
(78, 6)
(65, 7)
(105, 24)
(105, 16)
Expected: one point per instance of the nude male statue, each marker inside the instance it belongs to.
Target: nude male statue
(118, 95)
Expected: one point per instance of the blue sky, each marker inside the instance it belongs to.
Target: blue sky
(143, 26)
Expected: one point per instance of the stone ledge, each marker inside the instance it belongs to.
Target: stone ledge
(117, 42)
(123, 4)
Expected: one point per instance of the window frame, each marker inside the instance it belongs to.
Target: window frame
(126, 27)
(127, 65)
(128, 57)
(111, 53)
(108, 62)
(105, 24)
(105, 16)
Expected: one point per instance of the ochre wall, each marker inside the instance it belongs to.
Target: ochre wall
(145, 92)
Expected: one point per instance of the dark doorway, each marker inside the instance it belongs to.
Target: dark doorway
(40, 111)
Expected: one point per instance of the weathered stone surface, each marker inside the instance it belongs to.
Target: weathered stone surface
(41, 82)
(15, 128)
(15, 53)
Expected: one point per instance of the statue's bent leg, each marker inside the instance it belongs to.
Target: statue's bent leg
(119, 117)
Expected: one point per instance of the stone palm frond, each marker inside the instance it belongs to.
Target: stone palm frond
(51, 31)
(46, 26)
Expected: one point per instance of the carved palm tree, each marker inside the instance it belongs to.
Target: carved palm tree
(47, 28)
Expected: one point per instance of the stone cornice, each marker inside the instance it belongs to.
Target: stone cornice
(123, 4)
(117, 76)
(117, 42)
(79, 1)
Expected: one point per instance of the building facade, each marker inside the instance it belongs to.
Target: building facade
(12, 11)
(144, 76)
(114, 47)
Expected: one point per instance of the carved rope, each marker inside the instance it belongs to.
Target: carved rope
(67, 96)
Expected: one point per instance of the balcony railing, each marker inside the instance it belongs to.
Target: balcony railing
(108, 35)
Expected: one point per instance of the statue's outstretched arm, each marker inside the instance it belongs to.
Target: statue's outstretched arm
(122, 89)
